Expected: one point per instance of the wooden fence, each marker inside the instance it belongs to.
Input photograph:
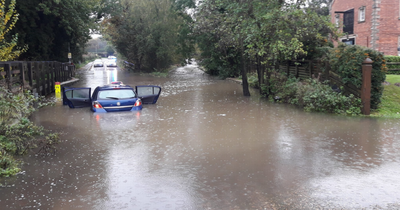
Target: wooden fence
(390, 68)
(37, 76)
(308, 69)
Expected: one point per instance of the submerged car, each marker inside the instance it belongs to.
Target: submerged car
(111, 98)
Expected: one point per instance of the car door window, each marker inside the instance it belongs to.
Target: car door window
(148, 90)
(76, 97)
(77, 94)
(149, 94)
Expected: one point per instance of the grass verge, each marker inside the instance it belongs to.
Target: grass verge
(390, 105)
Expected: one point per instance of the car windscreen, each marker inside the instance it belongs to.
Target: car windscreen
(116, 94)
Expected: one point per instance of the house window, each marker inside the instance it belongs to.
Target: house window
(337, 19)
(348, 21)
(361, 14)
(349, 41)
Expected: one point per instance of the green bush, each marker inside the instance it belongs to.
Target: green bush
(311, 95)
(17, 134)
(347, 61)
(285, 88)
(8, 165)
(253, 81)
(317, 96)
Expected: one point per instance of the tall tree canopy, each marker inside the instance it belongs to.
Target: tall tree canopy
(232, 33)
(8, 19)
(52, 28)
(147, 33)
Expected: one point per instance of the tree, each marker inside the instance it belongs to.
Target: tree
(262, 30)
(8, 19)
(53, 28)
(321, 7)
(145, 32)
(109, 50)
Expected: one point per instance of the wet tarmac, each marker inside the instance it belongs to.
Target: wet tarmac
(205, 146)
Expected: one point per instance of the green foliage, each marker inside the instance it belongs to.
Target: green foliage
(109, 50)
(390, 105)
(391, 58)
(253, 81)
(147, 33)
(321, 7)
(231, 34)
(285, 88)
(19, 139)
(225, 65)
(311, 95)
(319, 97)
(8, 19)
(14, 106)
(17, 134)
(8, 165)
(53, 28)
(347, 61)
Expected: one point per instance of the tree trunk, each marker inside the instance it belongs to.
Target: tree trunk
(260, 73)
(245, 83)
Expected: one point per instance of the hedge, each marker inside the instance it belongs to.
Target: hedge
(347, 61)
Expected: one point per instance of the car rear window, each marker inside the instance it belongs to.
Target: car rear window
(116, 94)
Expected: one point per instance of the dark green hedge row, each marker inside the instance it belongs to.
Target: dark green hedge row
(347, 61)
(391, 58)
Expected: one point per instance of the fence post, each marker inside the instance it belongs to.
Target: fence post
(30, 75)
(311, 69)
(366, 86)
(7, 69)
(327, 72)
(21, 67)
(288, 69)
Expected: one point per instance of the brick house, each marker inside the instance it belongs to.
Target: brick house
(370, 23)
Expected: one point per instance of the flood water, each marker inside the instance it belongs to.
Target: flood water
(206, 146)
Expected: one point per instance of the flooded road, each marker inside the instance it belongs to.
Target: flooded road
(205, 146)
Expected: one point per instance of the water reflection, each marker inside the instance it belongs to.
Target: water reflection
(116, 121)
(112, 75)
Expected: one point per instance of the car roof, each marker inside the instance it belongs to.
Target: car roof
(114, 86)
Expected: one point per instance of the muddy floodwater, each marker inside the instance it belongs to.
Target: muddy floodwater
(206, 146)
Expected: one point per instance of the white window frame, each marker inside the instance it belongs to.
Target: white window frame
(337, 20)
(361, 14)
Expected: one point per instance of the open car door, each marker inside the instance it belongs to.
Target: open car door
(77, 97)
(148, 93)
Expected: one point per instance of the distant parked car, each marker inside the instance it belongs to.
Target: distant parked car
(111, 63)
(98, 63)
(111, 97)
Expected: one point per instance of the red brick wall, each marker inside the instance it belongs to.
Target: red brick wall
(361, 30)
(389, 23)
(389, 28)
